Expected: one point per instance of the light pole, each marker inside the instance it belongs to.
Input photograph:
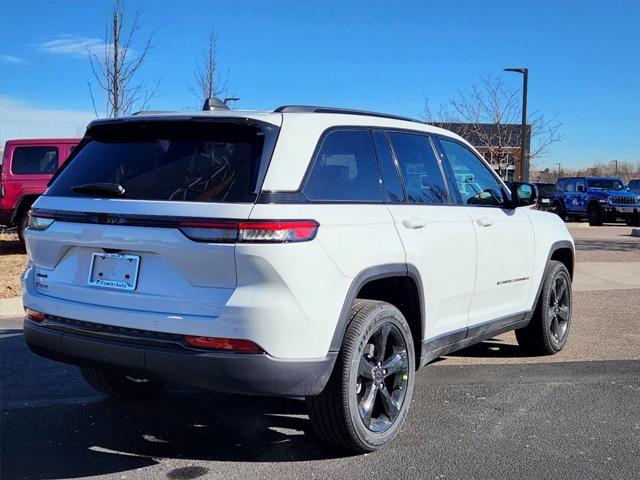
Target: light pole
(524, 161)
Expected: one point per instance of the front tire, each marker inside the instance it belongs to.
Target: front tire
(548, 331)
(633, 220)
(367, 398)
(595, 216)
(119, 385)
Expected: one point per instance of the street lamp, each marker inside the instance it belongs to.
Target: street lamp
(523, 158)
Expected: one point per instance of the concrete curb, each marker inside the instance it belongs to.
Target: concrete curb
(635, 232)
(11, 307)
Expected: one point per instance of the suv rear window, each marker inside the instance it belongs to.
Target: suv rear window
(194, 161)
(35, 160)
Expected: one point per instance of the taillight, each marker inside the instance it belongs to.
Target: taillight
(251, 231)
(228, 344)
(40, 220)
(34, 315)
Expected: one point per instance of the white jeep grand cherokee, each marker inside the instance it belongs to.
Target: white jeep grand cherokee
(308, 252)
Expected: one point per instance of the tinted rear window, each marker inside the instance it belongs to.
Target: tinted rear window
(345, 169)
(545, 188)
(35, 160)
(419, 167)
(180, 161)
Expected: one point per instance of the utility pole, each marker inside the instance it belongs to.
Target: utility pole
(524, 161)
(616, 162)
(558, 164)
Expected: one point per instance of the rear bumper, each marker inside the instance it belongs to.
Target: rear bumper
(244, 373)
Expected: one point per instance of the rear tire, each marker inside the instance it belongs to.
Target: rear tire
(119, 385)
(595, 216)
(22, 224)
(367, 398)
(559, 210)
(548, 331)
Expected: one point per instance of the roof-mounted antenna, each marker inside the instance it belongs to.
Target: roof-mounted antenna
(213, 103)
(230, 99)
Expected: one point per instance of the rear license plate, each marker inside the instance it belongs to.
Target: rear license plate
(545, 200)
(114, 270)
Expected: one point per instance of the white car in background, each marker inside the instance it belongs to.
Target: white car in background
(312, 252)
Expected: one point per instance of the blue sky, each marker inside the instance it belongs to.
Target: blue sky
(387, 56)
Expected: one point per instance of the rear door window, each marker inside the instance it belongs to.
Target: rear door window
(40, 160)
(180, 161)
(419, 167)
(345, 169)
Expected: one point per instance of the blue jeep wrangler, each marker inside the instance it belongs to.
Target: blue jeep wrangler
(599, 199)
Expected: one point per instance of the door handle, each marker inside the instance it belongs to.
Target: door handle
(484, 221)
(414, 222)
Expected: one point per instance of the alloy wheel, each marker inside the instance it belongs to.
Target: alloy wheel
(559, 309)
(383, 374)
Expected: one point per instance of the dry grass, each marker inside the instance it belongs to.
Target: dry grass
(12, 263)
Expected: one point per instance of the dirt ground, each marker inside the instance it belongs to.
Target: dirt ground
(12, 263)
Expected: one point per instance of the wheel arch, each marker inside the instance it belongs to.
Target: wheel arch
(562, 251)
(399, 284)
(24, 204)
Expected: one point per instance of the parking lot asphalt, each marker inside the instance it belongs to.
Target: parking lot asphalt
(486, 412)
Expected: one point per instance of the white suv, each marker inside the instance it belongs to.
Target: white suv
(307, 252)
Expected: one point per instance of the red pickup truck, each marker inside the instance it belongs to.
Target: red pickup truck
(26, 168)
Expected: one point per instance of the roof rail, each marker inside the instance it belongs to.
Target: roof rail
(346, 111)
(150, 112)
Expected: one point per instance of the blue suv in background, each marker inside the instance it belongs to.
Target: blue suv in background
(599, 199)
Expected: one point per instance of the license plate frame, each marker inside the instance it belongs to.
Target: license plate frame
(120, 265)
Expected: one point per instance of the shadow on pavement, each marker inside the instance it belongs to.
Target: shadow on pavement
(53, 426)
(493, 348)
(106, 437)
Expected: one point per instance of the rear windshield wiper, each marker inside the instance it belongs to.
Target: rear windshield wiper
(100, 189)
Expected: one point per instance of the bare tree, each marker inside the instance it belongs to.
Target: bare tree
(116, 69)
(623, 169)
(487, 115)
(209, 82)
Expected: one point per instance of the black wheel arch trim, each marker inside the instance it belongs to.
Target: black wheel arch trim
(559, 245)
(370, 274)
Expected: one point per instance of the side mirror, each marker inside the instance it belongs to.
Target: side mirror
(522, 195)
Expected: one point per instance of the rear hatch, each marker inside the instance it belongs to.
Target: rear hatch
(141, 216)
